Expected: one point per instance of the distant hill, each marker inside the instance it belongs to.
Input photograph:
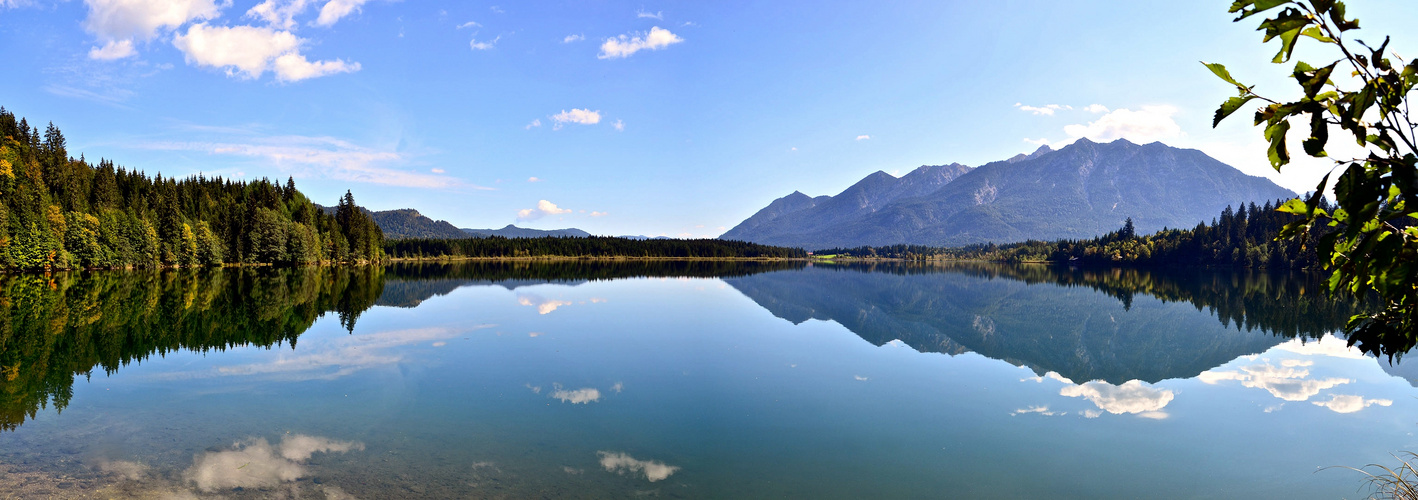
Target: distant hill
(511, 231)
(409, 223)
(1082, 190)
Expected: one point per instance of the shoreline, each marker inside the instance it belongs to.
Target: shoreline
(621, 258)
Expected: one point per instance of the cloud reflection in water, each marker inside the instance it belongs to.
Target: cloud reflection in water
(621, 463)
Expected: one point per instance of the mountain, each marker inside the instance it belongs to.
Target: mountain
(511, 231)
(1077, 331)
(798, 213)
(409, 223)
(1082, 190)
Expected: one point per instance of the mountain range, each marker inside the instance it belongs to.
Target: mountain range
(409, 223)
(1082, 190)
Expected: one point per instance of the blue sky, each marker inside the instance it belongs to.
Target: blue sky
(657, 118)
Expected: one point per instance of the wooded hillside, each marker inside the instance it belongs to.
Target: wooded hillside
(60, 212)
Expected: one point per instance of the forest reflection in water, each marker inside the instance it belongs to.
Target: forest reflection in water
(696, 378)
(55, 327)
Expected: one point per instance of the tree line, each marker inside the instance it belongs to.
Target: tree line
(59, 212)
(1244, 237)
(592, 247)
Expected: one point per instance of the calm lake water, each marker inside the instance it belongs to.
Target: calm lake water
(688, 380)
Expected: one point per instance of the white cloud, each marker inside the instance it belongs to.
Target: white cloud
(535, 123)
(573, 38)
(254, 463)
(496, 10)
(625, 45)
(581, 116)
(114, 49)
(114, 20)
(334, 10)
(279, 13)
(118, 23)
(544, 208)
(488, 45)
(858, 377)
(1131, 397)
(1344, 403)
(320, 157)
(1096, 108)
(1049, 376)
(619, 125)
(1146, 125)
(598, 214)
(1328, 346)
(469, 24)
(863, 137)
(436, 170)
(1288, 382)
(543, 305)
(1047, 110)
(1042, 410)
(294, 67)
(248, 52)
(650, 15)
(585, 395)
(621, 463)
(534, 179)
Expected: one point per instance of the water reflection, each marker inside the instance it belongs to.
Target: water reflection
(1143, 326)
(54, 327)
(736, 389)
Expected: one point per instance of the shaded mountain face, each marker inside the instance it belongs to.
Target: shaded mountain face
(1083, 190)
(409, 223)
(511, 231)
(1102, 330)
(799, 214)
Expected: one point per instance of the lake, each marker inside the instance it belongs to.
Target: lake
(688, 380)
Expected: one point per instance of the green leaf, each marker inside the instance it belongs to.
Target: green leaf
(1316, 33)
(1275, 133)
(1290, 20)
(1319, 135)
(1336, 15)
(1362, 101)
(1256, 7)
(1229, 107)
(1287, 46)
(1295, 206)
(1220, 71)
(1311, 79)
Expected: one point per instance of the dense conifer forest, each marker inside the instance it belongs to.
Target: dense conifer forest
(593, 246)
(1243, 238)
(60, 212)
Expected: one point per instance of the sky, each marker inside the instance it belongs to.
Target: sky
(631, 118)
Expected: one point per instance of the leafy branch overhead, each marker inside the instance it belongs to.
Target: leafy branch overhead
(1371, 245)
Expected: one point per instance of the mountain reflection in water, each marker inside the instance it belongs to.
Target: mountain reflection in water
(1114, 325)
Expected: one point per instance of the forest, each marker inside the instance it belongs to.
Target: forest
(591, 247)
(1244, 237)
(54, 327)
(59, 212)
